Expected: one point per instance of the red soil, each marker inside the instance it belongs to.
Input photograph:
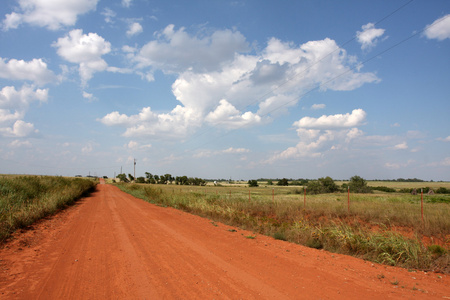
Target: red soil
(113, 246)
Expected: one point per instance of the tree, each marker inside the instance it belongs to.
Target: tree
(269, 182)
(253, 183)
(322, 185)
(283, 182)
(122, 177)
(140, 180)
(358, 185)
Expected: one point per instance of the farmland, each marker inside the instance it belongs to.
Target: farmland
(381, 227)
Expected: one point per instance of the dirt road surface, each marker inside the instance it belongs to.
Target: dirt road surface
(113, 246)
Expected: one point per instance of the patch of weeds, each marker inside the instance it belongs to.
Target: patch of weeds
(395, 282)
(279, 236)
(314, 243)
(380, 276)
(214, 224)
(232, 230)
(437, 250)
(252, 237)
(414, 288)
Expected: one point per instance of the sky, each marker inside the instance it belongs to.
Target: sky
(226, 89)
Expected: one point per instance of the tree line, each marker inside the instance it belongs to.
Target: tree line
(162, 179)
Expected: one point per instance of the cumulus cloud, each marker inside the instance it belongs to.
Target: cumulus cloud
(35, 70)
(16, 102)
(176, 124)
(356, 118)
(134, 28)
(227, 115)
(85, 50)
(439, 29)
(177, 51)
(318, 135)
(401, 146)
(368, 37)
(222, 84)
(19, 129)
(13, 106)
(50, 14)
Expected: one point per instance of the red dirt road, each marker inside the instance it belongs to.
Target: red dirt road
(114, 246)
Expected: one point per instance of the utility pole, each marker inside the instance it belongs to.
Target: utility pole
(134, 169)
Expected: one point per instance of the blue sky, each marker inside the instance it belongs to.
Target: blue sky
(226, 89)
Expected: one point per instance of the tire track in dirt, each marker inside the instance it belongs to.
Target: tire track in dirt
(114, 246)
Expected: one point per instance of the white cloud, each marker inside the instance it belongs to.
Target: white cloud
(51, 14)
(85, 50)
(109, 14)
(134, 29)
(87, 148)
(175, 124)
(13, 106)
(89, 96)
(401, 146)
(126, 3)
(356, 118)
(447, 139)
(132, 145)
(318, 106)
(19, 129)
(20, 144)
(218, 83)
(19, 101)
(227, 115)
(368, 38)
(236, 150)
(34, 70)
(177, 51)
(439, 29)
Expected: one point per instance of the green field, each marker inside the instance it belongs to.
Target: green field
(382, 227)
(26, 199)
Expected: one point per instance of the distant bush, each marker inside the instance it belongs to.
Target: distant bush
(253, 183)
(322, 185)
(442, 190)
(358, 185)
(283, 182)
(383, 189)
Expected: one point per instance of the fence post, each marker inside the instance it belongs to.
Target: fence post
(273, 195)
(421, 203)
(249, 198)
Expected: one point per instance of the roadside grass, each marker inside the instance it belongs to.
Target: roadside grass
(26, 199)
(370, 230)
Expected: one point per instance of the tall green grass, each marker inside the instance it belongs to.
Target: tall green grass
(26, 199)
(324, 223)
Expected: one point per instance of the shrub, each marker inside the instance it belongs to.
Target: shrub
(252, 183)
(358, 185)
(283, 182)
(322, 185)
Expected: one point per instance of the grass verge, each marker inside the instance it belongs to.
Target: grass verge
(26, 199)
(325, 224)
